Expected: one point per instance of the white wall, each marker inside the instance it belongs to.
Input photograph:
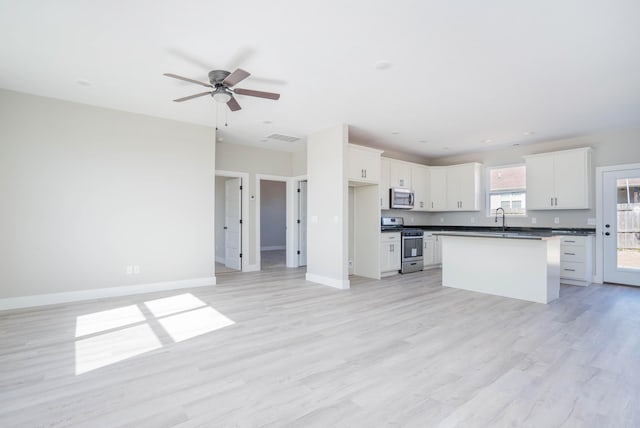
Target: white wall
(273, 212)
(87, 191)
(252, 160)
(327, 207)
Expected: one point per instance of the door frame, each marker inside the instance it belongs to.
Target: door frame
(599, 274)
(244, 214)
(293, 208)
(288, 228)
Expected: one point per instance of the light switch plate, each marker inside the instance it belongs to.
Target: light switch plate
(556, 220)
(533, 220)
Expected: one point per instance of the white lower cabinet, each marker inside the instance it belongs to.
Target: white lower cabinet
(431, 251)
(576, 260)
(390, 253)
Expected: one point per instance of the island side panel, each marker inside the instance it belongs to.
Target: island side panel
(517, 268)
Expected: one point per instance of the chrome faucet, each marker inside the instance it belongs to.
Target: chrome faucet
(501, 209)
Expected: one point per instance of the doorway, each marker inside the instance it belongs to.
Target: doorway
(229, 228)
(273, 228)
(621, 225)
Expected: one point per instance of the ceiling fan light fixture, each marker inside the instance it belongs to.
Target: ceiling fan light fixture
(221, 96)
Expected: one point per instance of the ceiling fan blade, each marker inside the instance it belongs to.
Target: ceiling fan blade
(236, 77)
(186, 79)
(201, 94)
(260, 94)
(233, 104)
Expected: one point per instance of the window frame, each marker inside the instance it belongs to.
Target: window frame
(488, 192)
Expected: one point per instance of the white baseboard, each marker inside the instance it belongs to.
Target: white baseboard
(251, 268)
(99, 293)
(220, 260)
(273, 247)
(342, 284)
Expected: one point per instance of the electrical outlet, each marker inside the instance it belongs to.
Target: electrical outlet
(533, 220)
(136, 270)
(556, 220)
(591, 221)
(129, 270)
(412, 220)
(441, 219)
(350, 263)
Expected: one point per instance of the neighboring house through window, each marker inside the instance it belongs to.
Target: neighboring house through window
(507, 189)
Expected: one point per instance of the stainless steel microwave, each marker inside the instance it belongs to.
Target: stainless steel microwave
(401, 198)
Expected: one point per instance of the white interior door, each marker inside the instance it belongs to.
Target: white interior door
(232, 223)
(302, 223)
(621, 216)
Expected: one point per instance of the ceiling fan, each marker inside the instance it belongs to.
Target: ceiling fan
(221, 81)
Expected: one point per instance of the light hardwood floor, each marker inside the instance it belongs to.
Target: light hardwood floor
(401, 352)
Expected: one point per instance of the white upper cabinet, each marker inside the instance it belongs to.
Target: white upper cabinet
(437, 200)
(384, 184)
(559, 180)
(463, 187)
(399, 174)
(419, 180)
(363, 164)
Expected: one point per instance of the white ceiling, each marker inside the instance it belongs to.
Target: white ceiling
(459, 73)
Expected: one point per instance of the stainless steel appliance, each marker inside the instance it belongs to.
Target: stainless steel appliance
(412, 257)
(400, 198)
(391, 223)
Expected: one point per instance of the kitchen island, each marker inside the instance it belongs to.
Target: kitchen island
(516, 265)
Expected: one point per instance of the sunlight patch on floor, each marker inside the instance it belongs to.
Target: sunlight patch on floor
(111, 336)
(105, 349)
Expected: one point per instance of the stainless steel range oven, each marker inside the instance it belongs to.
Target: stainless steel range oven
(412, 257)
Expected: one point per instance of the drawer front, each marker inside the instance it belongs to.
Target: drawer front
(572, 254)
(572, 270)
(573, 240)
(389, 237)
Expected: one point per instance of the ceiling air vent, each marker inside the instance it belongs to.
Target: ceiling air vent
(281, 137)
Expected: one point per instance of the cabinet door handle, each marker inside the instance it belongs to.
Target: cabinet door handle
(570, 270)
(431, 204)
(569, 241)
(551, 202)
(391, 249)
(569, 254)
(556, 201)
(365, 173)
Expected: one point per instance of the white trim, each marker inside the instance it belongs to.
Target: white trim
(251, 268)
(273, 247)
(292, 216)
(101, 293)
(598, 276)
(244, 176)
(269, 177)
(342, 284)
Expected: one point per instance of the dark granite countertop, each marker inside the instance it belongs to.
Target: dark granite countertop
(542, 231)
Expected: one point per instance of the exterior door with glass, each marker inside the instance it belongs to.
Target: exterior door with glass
(621, 226)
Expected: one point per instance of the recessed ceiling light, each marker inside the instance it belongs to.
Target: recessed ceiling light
(445, 148)
(264, 140)
(83, 82)
(267, 122)
(422, 141)
(487, 141)
(383, 64)
(516, 144)
(395, 132)
(528, 133)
